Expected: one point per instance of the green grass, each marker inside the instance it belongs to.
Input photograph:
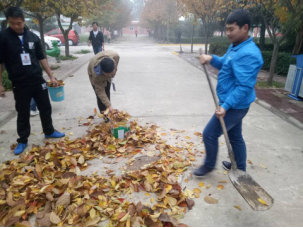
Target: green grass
(274, 85)
(54, 67)
(7, 84)
(83, 52)
(71, 57)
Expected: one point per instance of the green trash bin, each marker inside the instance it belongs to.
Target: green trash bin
(119, 129)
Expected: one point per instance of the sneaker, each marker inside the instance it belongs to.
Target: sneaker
(226, 165)
(202, 171)
(56, 134)
(20, 148)
(34, 113)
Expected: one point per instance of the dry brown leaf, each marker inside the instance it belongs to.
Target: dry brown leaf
(211, 200)
(54, 218)
(250, 162)
(190, 203)
(64, 200)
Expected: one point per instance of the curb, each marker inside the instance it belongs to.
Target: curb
(282, 115)
(7, 117)
(262, 103)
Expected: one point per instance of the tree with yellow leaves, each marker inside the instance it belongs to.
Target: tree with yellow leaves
(278, 15)
(206, 10)
(160, 14)
(40, 10)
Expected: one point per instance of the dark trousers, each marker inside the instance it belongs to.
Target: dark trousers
(23, 96)
(213, 130)
(97, 49)
(101, 106)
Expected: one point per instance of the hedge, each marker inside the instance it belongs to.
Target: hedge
(283, 61)
(7, 84)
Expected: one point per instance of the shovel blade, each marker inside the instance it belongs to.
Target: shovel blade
(250, 190)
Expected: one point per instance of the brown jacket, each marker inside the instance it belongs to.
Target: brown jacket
(100, 82)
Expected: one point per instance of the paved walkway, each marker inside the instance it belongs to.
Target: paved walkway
(158, 87)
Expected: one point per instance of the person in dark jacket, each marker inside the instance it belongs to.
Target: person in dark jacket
(96, 39)
(22, 54)
(239, 69)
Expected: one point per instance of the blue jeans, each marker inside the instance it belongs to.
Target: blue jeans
(213, 130)
(33, 105)
(97, 49)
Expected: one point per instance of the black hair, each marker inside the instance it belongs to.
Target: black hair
(95, 23)
(14, 12)
(241, 17)
(107, 65)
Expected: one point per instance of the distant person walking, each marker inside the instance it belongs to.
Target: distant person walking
(96, 39)
(109, 36)
(179, 34)
(136, 32)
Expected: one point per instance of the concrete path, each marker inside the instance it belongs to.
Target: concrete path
(157, 86)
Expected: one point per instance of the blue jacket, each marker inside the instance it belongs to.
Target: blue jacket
(239, 68)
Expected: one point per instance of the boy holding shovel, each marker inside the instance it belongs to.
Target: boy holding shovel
(239, 68)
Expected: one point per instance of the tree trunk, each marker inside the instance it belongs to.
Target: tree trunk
(273, 63)
(299, 43)
(42, 35)
(192, 38)
(66, 43)
(167, 35)
(262, 36)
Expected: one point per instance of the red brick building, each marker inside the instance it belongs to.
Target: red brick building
(134, 25)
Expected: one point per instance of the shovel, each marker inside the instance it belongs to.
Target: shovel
(250, 190)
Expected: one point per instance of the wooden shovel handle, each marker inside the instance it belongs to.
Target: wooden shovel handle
(230, 151)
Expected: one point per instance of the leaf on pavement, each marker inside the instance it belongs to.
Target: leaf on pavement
(211, 200)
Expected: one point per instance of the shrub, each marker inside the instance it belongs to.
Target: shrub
(7, 84)
(284, 59)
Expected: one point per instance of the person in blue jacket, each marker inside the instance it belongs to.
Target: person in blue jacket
(239, 68)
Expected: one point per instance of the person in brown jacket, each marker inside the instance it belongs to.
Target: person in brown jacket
(102, 68)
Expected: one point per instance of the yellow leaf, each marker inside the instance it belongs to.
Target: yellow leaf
(208, 186)
(150, 179)
(186, 180)
(262, 201)
(223, 181)
(187, 137)
(128, 223)
(147, 194)
(168, 188)
(19, 213)
(2, 202)
(172, 201)
(225, 172)
(81, 159)
(160, 205)
(197, 195)
(263, 166)
(47, 156)
(152, 200)
(163, 134)
(220, 187)
(238, 207)
(124, 218)
(201, 184)
(113, 182)
(92, 213)
(197, 190)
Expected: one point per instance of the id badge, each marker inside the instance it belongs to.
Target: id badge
(26, 59)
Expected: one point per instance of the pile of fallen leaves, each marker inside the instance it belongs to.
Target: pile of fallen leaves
(46, 182)
(60, 83)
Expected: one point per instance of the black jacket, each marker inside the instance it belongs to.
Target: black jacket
(10, 56)
(98, 40)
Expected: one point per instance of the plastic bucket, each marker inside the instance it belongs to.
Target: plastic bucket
(56, 94)
(119, 129)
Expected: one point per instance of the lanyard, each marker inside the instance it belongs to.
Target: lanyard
(22, 44)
